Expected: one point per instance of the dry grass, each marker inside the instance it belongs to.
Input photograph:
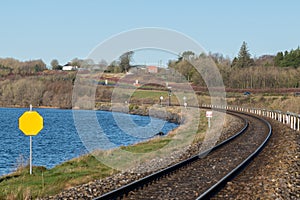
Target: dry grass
(21, 163)
(285, 103)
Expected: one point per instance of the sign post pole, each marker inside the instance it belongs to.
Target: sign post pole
(209, 115)
(30, 146)
(31, 123)
(184, 102)
(169, 93)
(30, 156)
(161, 99)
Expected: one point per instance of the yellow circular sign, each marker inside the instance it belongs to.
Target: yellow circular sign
(31, 123)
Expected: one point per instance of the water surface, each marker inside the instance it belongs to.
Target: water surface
(59, 140)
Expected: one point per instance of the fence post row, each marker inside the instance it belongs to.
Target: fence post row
(290, 119)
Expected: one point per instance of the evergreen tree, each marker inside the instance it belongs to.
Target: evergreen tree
(125, 60)
(234, 62)
(288, 59)
(244, 58)
(278, 59)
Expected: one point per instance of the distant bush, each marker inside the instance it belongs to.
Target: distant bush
(13, 66)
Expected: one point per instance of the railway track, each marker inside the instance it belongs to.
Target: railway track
(201, 176)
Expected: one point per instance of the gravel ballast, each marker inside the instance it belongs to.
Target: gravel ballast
(274, 174)
(98, 187)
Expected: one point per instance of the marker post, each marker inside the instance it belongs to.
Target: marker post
(31, 123)
(30, 146)
(209, 115)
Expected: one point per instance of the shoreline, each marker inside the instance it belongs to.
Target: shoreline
(142, 110)
(172, 118)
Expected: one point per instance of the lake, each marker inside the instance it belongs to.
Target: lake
(61, 140)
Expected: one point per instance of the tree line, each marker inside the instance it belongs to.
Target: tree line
(288, 58)
(18, 86)
(10, 66)
(53, 90)
(121, 65)
(280, 71)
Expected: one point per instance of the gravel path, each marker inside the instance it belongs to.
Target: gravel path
(274, 174)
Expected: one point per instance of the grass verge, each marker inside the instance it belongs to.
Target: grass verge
(22, 185)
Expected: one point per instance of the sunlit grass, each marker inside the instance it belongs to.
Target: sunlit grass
(156, 94)
(148, 146)
(21, 184)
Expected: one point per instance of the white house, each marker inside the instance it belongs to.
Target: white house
(69, 68)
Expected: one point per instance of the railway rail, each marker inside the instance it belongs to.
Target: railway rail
(201, 176)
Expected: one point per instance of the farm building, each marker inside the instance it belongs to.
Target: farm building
(152, 69)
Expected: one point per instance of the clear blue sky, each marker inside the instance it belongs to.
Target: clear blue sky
(65, 29)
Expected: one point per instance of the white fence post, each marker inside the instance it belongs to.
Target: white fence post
(298, 129)
(291, 119)
(295, 122)
(279, 118)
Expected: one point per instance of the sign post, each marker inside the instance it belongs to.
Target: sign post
(184, 102)
(161, 99)
(30, 148)
(170, 94)
(30, 123)
(30, 154)
(209, 115)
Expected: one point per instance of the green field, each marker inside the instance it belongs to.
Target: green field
(153, 94)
